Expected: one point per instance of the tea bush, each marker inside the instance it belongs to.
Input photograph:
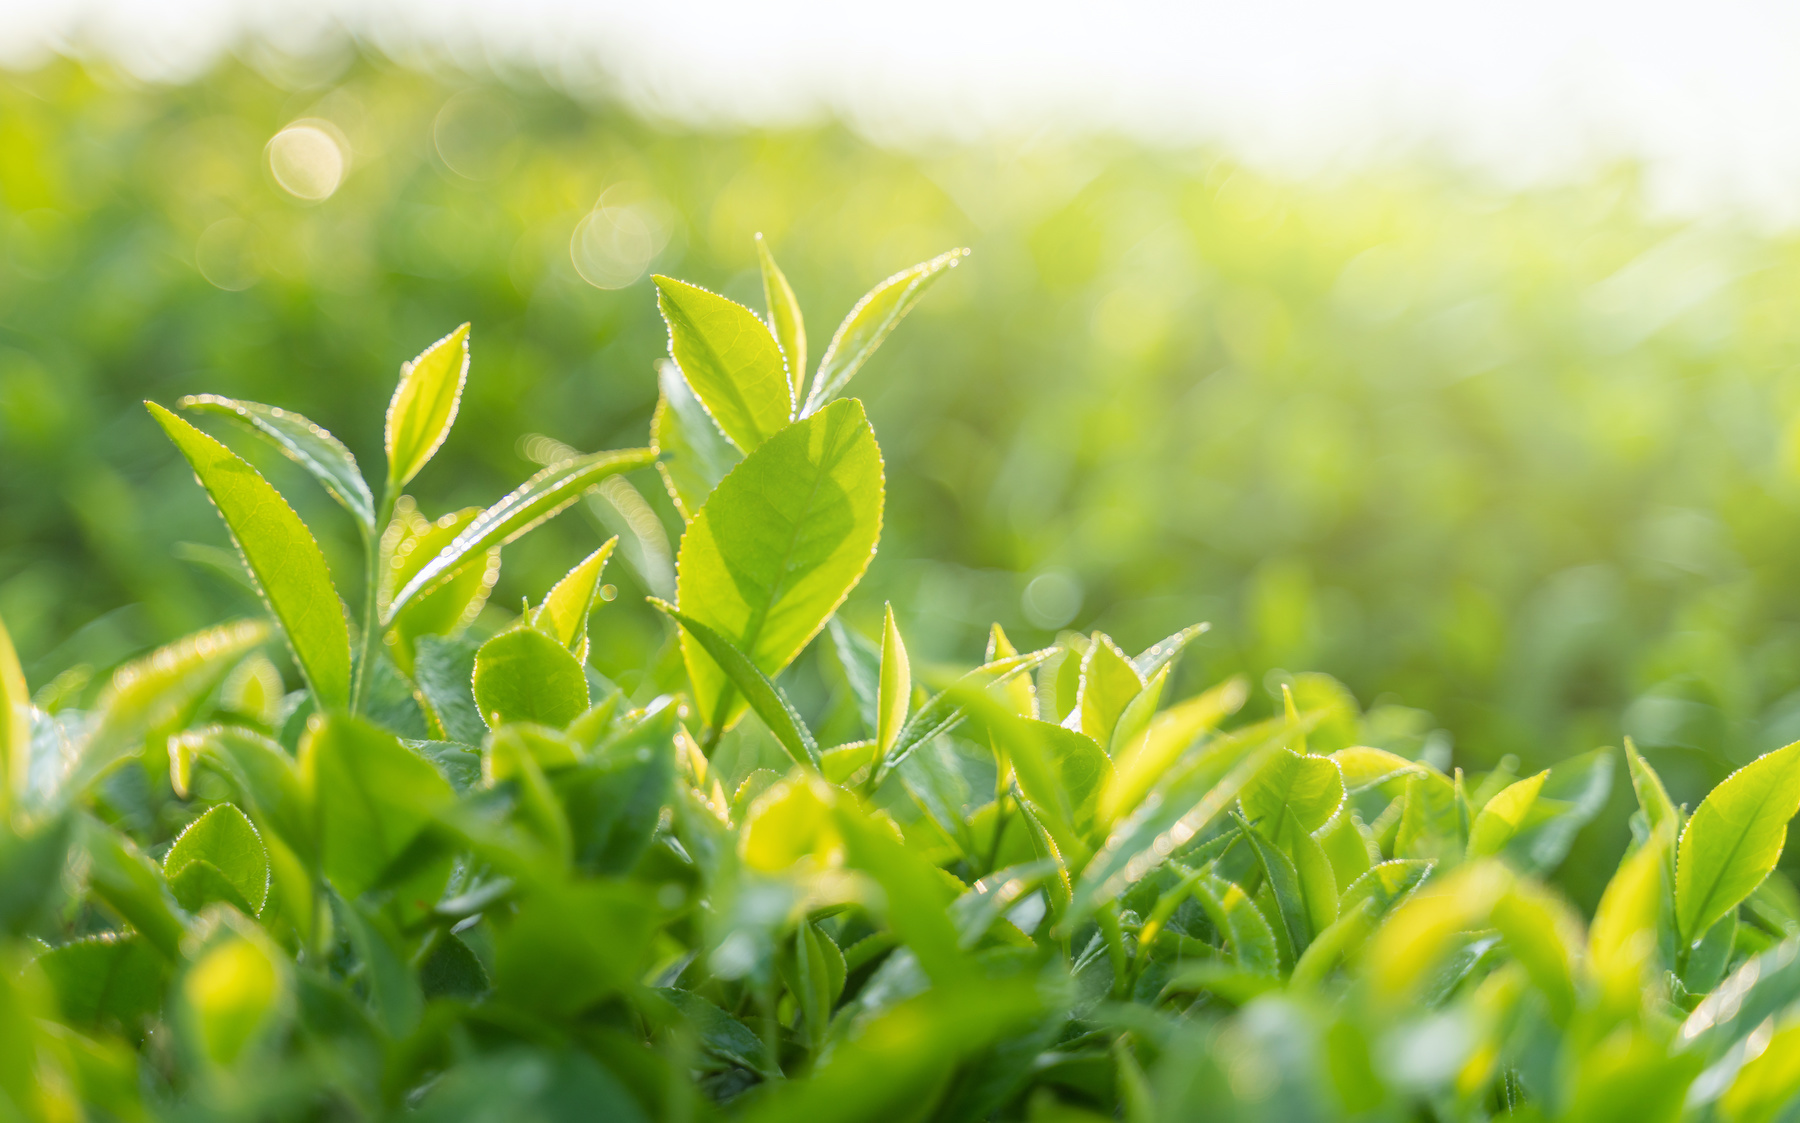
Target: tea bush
(460, 875)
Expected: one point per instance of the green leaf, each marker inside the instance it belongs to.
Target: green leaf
(539, 498)
(757, 688)
(120, 875)
(305, 443)
(1240, 922)
(393, 988)
(524, 675)
(281, 555)
(1137, 714)
(779, 545)
(693, 456)
(1143, 760)
(913, 891)
(224, 840)
(444, 671)
(158, 690)
(1059, 770)
(233, 992)
(570, 944)
(424, 406)
(1318, 879)
(1163, 652)
(106, 978)
(1501, 817)
(720, 1034)
(784, 317)
(874, 316)
(411, 541)
(1385, 884)
(1652, 797)
(372, 797)
(566, 608)
(1283, 881)
(1734, 839)
(15, 724)
(615, 800)
(1108, 684)
(730, 360)
(895, 691)
(1307, 789)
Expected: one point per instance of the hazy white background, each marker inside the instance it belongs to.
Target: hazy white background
(1706, 95)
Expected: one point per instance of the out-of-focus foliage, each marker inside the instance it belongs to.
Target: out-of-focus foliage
(474, 878)
(1526, 460)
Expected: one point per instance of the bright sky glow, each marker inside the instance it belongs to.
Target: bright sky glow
(1708, 96)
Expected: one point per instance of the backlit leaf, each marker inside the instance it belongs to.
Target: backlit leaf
(1734, 838)
(566, 608)
(524, 675)
(894, 695)
(225, 840)
(307, 444)
(281, 555)
(874, 316)
(730, 360)
(784, 318)
(778, 546)
(424, 405)
(693, 456)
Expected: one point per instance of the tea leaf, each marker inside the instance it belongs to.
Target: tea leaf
(1501, 817)
(1734, 838)
(281, 555)
(424, 406)
(371, 795)
(305, 443)
(693, 456)
(539, 498)
(567, 606)
(895, 691)
(524, 675)
(1306, 789)
(225, 842)
(15, 724)
(1652, 797)
(874, 316)
(762, 694)
(234, 990)
(778, 546)
(784, 318)
(730, 360)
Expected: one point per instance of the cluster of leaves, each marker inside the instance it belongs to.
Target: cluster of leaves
(470, 878)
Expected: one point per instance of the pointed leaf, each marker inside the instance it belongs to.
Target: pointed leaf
(784, 318)
(306, 443)
(424, 406)
(564, 613)
(874, 316)
(15, 724)
(763, 695)
(1734, 839)
(1141, 762)
(1160, 654)
(539, 498)
(895, 693)
(1307, 789)
(1108, 684)
(279, 551)
(224, 838)
(409, 542)
(372, 796)
(1501, 817)
(730, 360)
(1652, 797)
(779, 545)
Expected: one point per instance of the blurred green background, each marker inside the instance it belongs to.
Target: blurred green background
(1526, 461)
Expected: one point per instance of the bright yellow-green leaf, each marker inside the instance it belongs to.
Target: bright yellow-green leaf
(307, 444)
(1142, 761)
(753, 686)
(233, 992)
(1734, 839)
(424, 405)
(410, 542)
(566, 608)
(1365, 768)
(730, 360)
(1622, 939)
(1137, 714)
(1502, 816)
(1318, 881)
(524, 675)
(784, 318)
(1017, 690)
(539, 498)
(1652, 797)
(779, 544)
(1108, 684)
(15, 723)
(1307, 789)
(1767, 1083)
(289, 570)
(1542, 934)
(895, 691)
(1251, 939)
(1407, 948)
(225, 842)
(157, 690)
(874, 316)
(1429, 823)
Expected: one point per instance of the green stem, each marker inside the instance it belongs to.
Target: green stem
(371, 621)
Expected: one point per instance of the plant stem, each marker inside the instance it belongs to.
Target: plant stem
(371, 621)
